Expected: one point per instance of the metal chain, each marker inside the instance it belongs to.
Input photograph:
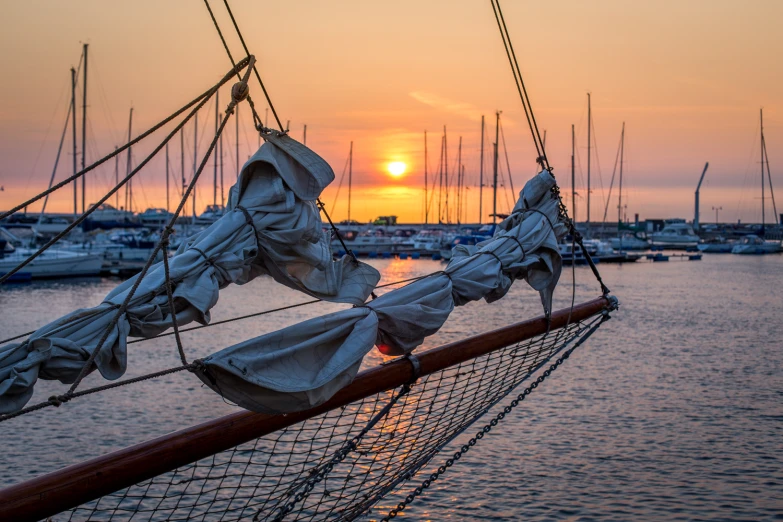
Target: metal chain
(339, 456)
(488, 427)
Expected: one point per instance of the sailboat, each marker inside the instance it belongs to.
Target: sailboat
(753, 244)
(319, 439)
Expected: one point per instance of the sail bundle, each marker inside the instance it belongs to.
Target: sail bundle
(272, 227)
(304, 365)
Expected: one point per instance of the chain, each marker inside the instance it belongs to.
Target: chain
(488, 427)
(339, 456)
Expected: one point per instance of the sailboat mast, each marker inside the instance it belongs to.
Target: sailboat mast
(167, 176)
(446, 171)
(215, 157)
(182, 157)
(495, 170)
(459, 181)
(116, 178)
(84, 128)
(195, 166)
(769, 178)
(75, 155)
(222, 190)
(350, 179)
(440, 183)
(573, 172)
(481, 174)
(426, 207)
(236, 122)
(128, 166)
(761, 125)
(620, 200)
(589, 145)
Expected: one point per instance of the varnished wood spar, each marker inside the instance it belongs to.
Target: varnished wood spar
(69, 487)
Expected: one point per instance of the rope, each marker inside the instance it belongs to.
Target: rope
(258, 76)
(170, 296)
(58, 400)
(537, 141)
(491, 424)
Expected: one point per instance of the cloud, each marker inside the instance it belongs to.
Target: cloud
(466, 110)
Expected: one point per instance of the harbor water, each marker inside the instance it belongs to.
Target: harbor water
(673, 410)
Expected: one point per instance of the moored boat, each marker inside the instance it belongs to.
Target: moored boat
(754, 245)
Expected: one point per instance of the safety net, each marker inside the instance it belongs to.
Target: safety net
(337, 465)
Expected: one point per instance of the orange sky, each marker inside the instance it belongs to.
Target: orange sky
(688, 79)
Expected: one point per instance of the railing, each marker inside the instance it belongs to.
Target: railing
(72, 486)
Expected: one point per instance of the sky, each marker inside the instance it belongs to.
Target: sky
(687, 78)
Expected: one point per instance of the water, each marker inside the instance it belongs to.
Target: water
(672, 411)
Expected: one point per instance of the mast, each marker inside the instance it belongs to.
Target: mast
(182, 157)
(236, 122)
(350, 180)
(426, 207)
(75, 155)
(769, 178)
(464, 193)
(459, 180)
(761, 125)
(440, 183)
(481, 174)
(116, 178)
(195, 165)
(84, 128)
(167, 176)
(446, 171)
(215, 177)
(222, 191)
(573, 173)
(495, 170)
(620, 200)
(304, 135)
(589, 128)
(128, 167)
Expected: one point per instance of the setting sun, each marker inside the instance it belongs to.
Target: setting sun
(396, 168)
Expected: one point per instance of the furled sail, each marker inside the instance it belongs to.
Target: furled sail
(304, 365)
(272, 227)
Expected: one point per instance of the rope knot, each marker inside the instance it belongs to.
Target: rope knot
(58, 400)
(239, 91)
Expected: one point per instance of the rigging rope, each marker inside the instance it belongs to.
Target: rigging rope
(238, 93)
(538, 142)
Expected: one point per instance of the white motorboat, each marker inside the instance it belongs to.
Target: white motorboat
(754, 245)
(211, 214)
(676, 234)
(155, 217)
(108, 216)
(431, 241)
(51, 263)
(370, 242)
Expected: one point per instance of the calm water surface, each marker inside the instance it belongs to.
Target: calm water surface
(672, 411)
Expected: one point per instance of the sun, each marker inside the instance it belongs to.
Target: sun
(396, 168)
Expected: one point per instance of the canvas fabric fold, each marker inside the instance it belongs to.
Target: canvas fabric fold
(271, 227)
(304, 365)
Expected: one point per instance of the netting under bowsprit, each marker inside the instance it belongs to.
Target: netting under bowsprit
(337, 464)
